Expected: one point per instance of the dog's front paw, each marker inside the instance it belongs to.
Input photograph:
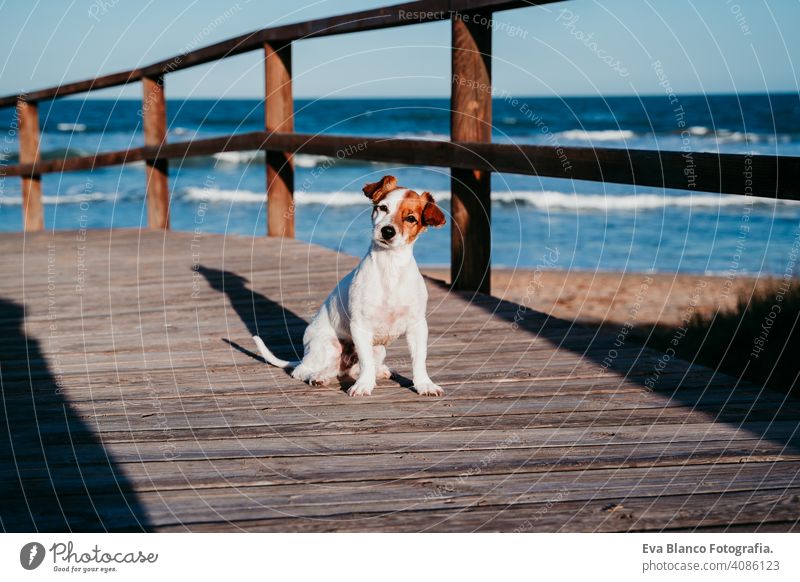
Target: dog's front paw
(428, 389)
(361, 388)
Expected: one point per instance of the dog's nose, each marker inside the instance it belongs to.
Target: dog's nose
(388, 232)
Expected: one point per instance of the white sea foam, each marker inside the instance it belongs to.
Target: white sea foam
(597, 135)
(546, 200)
(429, 135)
(249, 156)
(71, 127)
(549, 200)
(243, 157)
(62, 198)
(698, 130)
(300, 197)
(722, 135)
(310, 161)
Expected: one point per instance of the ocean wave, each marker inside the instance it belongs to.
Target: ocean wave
(65, 198)
(703, 133)
(549, 200)
(596, 135)
(546, 200)
(300, 197)
(311, 161)
(543, 200)
(427, 135)
(182, 131)
(76, 127)
(300, 160)
(721, 135)
(242, 157)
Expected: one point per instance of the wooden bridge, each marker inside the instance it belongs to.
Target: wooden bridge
(131, 399)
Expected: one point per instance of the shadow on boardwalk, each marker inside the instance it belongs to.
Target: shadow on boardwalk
(766, 413)
(280, 328)
(55, 476)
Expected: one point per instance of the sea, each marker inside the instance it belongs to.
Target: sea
(536, 222)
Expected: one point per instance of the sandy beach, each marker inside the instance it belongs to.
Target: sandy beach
(612, 299)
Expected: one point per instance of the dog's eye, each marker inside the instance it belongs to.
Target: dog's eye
(410, 218)
(383, 208)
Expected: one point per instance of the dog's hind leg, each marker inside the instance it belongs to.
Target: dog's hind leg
(320, 363)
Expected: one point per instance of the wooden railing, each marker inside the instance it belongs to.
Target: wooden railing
(469, 154)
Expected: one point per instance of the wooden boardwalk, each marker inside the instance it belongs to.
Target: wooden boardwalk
(131, 401)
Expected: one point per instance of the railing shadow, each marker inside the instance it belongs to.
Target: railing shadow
(765, 413)
(55, 475)
(282, 329)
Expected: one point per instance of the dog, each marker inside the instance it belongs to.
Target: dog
(381, 299)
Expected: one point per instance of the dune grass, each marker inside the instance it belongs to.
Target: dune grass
(759, 340)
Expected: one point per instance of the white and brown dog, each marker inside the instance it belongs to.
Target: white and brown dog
(381, 299)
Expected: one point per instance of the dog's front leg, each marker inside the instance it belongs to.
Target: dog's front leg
(417, 337)
(362, 341)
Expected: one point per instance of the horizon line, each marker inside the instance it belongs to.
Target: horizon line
(416, 97)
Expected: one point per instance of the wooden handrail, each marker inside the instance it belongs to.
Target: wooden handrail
(405, 14)
(776, 177)
(469, 154)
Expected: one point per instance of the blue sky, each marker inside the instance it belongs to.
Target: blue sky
(579, 47)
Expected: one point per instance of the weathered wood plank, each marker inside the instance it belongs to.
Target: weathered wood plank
(666, 513)
(270, 500)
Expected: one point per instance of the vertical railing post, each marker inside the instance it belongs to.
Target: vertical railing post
(154, 119)
(32, 212)
(471, 121)
(279, 117)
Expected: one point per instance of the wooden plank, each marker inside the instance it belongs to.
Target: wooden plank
(266, 499)
(248, 470)
(608, 420)
(32, 210)
(755, 513)
(758, 435)
(471, 121)
(569, 447)
(279, 117)
(775, 177)
(154, 120)
(253, 413)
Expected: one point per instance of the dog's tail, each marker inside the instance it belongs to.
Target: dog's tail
(270, 357)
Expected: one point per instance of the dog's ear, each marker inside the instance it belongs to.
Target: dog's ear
(378, 190)
(432, 215)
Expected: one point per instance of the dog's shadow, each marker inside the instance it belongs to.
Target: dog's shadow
(280, 328)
